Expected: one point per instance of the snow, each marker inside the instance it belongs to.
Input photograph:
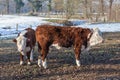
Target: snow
(104, 27)
(8, 24)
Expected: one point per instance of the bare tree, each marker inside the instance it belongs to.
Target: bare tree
(110, 9)
(58, 5)
(7, 6)
(19, 5)
(71, 7)
(85, 3)
(101, 7)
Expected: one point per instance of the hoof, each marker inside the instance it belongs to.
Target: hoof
(29, 63)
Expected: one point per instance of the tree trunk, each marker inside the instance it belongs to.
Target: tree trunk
(86, 8)
(102, 7)
(7, 6)
(90, 10)
(110, 9)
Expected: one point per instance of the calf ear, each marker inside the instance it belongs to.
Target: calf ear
(14, 40)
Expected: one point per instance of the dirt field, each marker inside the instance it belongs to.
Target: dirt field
(102, 63)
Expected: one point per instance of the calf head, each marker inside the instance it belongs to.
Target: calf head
(21, 42)
(96, 37)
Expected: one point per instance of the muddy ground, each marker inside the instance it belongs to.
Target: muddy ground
(102, 63)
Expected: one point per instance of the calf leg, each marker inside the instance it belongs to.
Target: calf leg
(77, 56)
(39, 57)
(43, 51)
(31, 55)
(39, 61)
(28, 58)
(21, 59)
(43, 57)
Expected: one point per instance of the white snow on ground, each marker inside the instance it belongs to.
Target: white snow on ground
(104, 27)
(8, 24)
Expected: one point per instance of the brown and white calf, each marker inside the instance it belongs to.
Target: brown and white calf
(25, 42)
(80, 38)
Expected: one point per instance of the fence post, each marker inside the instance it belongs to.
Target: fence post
(16, 27)
(30, 26)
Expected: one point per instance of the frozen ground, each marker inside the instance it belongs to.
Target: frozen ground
(104, 27)
(8, 24)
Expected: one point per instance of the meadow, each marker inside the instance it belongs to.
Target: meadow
(102, 62)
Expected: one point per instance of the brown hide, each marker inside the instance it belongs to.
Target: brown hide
(30, 35)
(47, 35)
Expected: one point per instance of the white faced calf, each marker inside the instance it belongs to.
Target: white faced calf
(25, 43)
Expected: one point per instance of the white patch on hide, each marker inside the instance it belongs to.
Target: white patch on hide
(28, 63)
(78, 62)
(31, 55)
(56, 46)
(44, 63)
(96, 37)
(21, 62)
(39, 62)
(88, 36)
(21, 42)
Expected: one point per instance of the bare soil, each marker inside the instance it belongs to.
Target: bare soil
(102, 62)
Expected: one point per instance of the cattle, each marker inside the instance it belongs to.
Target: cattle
(79, 38)
(25, 42)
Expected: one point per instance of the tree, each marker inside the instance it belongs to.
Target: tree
(110, 8)
(58, 5)
(19, 5)
(7, 6)
(36, 4)
(70, 7)
(101, 8)
(49, 5)
(85, 3)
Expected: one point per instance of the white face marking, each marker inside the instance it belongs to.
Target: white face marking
(89, 35)
(96, 37)
(21, 43)
(56, 46)
(44, 63)
(78, 62)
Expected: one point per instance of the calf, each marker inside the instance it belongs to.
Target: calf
(80, 38)
(25, 42)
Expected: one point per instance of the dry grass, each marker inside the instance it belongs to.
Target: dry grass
(102, 63)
